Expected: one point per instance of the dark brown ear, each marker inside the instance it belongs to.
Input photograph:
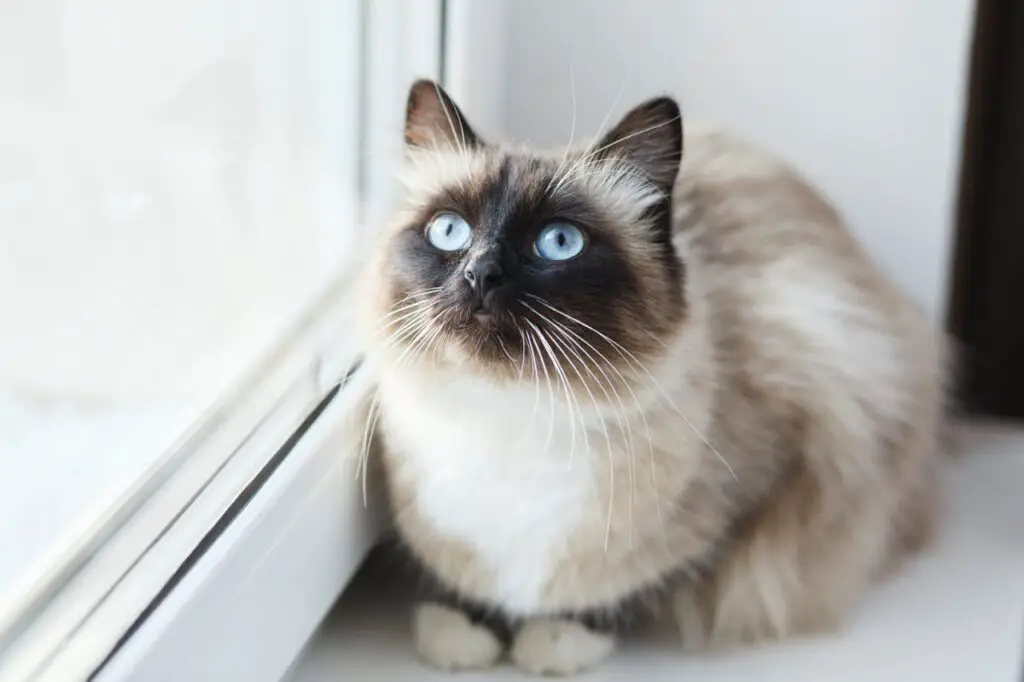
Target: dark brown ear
(651, 138)
(432, 119)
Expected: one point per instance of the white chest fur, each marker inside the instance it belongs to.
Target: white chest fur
(494, 471)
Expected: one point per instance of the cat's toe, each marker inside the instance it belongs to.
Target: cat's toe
(559, 647)
(445, 638)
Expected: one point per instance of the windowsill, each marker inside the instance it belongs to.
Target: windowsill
(79, 451)
(956, 614)
(60, 490)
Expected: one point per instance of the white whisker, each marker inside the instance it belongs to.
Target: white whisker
(600, 133)
(567, 342)
(572, 134)
(362, 467)
(631, 358)
(460, 136)
(620, 416)
(536, 380)
(563, 380)
(539, 357)
(631, 135)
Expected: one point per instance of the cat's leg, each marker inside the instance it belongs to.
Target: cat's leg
(446, 638)
(801, 562)
(556, 646)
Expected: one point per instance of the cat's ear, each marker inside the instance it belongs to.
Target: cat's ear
(651, 138)
(434, 121)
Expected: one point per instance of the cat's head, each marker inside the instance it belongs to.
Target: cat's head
(515, 262)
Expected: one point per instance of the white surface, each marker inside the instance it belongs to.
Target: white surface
(176, 180)
(867, 98)
(246, 609)
(63, 461)
(955, 614)
(115, 582)
(476, 49)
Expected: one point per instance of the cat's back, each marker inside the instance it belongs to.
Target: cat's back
(749, 206)
(797, 309)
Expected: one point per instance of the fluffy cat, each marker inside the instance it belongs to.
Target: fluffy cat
(617, 371)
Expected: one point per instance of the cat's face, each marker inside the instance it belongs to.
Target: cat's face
(522, 263)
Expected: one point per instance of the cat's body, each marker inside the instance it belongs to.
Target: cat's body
(759, 441)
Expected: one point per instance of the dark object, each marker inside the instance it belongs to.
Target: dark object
(987, 306)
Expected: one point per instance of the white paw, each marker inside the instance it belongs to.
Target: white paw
(559, 647)
(445, 638)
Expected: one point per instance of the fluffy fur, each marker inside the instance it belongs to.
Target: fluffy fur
(721, 400)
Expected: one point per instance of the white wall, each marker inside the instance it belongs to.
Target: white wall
(477, 45)
(865, 96)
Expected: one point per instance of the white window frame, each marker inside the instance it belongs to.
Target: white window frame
(226, 556)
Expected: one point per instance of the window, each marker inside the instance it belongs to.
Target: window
(186, 189)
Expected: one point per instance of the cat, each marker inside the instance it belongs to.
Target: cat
(657, 368)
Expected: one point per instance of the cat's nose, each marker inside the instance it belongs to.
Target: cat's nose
(484, 275)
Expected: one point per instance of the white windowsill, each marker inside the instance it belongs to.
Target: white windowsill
(956, 614)
(247, 607)
(59, 492)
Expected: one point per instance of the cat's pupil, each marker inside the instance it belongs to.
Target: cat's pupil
(561, 239)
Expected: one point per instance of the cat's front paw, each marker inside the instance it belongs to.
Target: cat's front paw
(445, 638)
(559, 647)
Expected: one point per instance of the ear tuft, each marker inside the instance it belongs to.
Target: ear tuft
(433, 120)
(650, 137)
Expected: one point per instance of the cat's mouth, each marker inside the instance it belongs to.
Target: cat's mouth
(492, 315)
(480, 319)
(485, 318)
(486, 330)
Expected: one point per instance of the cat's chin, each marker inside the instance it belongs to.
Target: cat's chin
(478, 328)
(486, 344)
(481, 361)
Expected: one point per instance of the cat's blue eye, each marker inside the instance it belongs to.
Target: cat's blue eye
(560, 241)
(449, 232)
